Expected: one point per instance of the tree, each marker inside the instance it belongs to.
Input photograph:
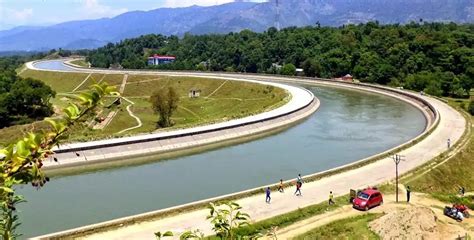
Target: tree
(471, 107)
(288, 69)
(30, 98)
(23, 100)
(311, 68)
(371, 52)
(165, 103)
(21, 162)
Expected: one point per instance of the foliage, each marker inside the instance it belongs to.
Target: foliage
(440, 55)
(21, 162)
(288, 69)
(349, 228)
(21, 100)
(225, 218)
(160, 235)
(165, 104)
(470, 108)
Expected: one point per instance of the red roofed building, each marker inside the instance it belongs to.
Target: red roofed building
(160, 59)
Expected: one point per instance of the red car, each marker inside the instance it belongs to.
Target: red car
(367, 198)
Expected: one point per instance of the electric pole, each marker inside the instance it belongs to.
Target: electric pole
(397, 158)
(277, 17)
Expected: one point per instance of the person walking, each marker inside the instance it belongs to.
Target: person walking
(331, 198)
(268, 198)
(408, 194)
(298, 189)
(299, 183)
(280, 187)
(299, 179)
(449, 143)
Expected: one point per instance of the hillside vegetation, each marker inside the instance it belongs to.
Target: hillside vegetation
(433, 57)
(22, 100)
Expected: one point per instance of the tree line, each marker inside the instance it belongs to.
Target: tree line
(437, 58)
(22, 100)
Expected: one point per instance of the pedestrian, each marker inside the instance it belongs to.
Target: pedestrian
(280, 187)
(299, 179)
(408, 194)
(331, 198)
(449, 143)
(298, 189)
(268, 198)
(462, 191)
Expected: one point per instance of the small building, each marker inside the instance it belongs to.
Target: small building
(160, 59)
(299, 72)
(347, 78)
(194, 93)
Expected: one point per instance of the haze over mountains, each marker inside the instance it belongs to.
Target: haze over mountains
(230, 17)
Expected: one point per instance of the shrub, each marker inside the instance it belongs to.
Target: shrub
(471, 107)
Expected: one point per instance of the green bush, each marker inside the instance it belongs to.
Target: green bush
(471, 107)
(288, 69)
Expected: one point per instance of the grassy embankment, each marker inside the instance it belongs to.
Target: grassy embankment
(443, 182)
(292, 217)
(80, 62)
(220, 101)
(349, 228)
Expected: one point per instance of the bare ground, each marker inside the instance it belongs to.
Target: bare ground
(422, 218)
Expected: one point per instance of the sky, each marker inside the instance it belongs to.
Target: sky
(15, 13)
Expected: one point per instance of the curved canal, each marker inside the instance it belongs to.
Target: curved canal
(350, 125)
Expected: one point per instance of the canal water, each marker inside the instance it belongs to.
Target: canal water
(350, 125)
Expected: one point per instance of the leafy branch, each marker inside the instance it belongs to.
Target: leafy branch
(21, 162)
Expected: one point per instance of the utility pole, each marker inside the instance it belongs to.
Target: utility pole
(397, 158)
(277, 17)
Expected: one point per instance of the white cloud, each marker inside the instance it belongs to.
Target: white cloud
(23, 14)
(93, 9)
(18, 15)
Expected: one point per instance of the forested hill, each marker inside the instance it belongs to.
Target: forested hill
(434, 57)
(232, 17)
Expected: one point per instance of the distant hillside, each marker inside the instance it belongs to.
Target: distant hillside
(232, 17)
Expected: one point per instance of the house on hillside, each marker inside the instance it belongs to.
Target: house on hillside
(160, 59)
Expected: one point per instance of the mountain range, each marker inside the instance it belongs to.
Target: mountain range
(232, 17)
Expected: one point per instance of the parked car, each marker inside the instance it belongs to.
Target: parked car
(367, 199)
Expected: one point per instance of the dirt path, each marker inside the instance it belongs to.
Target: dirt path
(446, 228)
(82, 83)
(217, 89)
(129, 110)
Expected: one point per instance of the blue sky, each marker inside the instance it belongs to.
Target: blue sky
(45, 12)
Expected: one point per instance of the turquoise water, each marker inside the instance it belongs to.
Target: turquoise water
(350, 125)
